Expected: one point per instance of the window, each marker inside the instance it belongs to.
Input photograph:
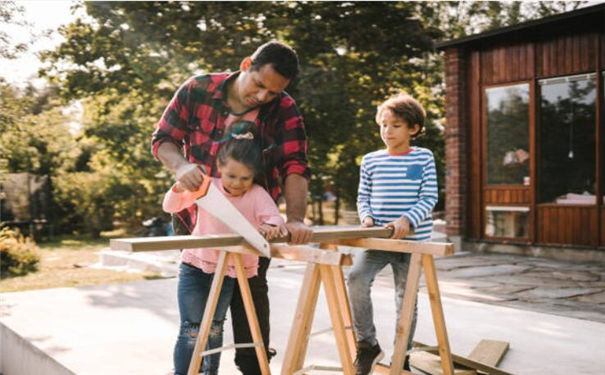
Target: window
(508, 222)
(508, 156)
(567, 140)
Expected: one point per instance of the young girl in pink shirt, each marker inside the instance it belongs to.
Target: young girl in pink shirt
(239, 160)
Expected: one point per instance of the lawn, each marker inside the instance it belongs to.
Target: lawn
(66, 262)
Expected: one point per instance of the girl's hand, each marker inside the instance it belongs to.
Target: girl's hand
(401, 227)
(367, 222)
(270, 231)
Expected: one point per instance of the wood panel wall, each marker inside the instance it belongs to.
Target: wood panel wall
(573, 225)
(512, 195)
(511, 60)
(568, 54)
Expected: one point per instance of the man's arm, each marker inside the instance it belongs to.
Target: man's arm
(188, 174)
(295, 192)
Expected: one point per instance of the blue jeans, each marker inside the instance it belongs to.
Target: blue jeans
(366, 266)
(193, 289)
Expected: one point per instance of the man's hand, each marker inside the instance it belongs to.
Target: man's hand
(401, 227)
(189, 176)
(299, 232)
(367, 222)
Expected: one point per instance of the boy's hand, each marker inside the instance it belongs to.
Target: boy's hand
(270, 231)
(367, 222)
(401, 227)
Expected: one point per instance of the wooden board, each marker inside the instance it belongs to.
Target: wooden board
(431, 363)
(464, 361)
(320, 234)
(402, 246)
(489, 352)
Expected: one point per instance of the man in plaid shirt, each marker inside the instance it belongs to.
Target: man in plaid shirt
(188, 135)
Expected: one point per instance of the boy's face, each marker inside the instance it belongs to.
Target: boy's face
(259, 87)
(395, 132)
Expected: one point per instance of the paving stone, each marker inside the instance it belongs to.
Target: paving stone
(575, 275)
(503, 269)
(501, 289)
(548, 292)
(529, 280)
(592, 298)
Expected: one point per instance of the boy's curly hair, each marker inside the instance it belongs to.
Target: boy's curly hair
(405, 107)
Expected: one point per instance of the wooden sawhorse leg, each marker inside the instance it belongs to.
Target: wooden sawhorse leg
(215, 290)
(340, 315)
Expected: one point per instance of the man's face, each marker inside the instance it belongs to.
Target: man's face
(262, 86)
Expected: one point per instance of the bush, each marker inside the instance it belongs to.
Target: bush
(18, 255)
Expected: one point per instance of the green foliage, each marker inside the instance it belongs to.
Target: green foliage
(126, 60)
(18, 255)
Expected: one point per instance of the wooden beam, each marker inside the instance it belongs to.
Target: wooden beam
(489, 352)
(430, 276)
(431, 364)
(464, 361)
(320, 234)
(402, 246)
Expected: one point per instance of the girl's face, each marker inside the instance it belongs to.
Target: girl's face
(237, 178)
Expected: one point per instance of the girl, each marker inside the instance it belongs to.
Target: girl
(239, 160)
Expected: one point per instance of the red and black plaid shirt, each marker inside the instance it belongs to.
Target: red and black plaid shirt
(195, 121)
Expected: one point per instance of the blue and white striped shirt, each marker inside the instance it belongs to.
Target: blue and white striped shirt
(391, 186)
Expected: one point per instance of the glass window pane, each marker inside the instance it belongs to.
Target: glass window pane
(567, 140)
(510, 222)
(508, 156)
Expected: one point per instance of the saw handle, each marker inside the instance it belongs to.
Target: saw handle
(203, 190)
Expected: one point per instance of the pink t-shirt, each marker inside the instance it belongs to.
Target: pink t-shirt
(255, 205)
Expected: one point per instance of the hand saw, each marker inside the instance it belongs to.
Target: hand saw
(211, 199)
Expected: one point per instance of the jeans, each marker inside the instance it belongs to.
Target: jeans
(365, 268)
(245, 358)
(193, 289)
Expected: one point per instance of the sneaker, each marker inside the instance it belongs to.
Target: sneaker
(406, 363)
(367, 357)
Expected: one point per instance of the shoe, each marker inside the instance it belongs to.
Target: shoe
(367, 357)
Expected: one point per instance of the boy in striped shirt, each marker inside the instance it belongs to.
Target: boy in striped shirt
(397, 189)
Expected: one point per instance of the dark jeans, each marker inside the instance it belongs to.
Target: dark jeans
(245, 359)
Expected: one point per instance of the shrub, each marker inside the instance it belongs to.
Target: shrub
(18, 255)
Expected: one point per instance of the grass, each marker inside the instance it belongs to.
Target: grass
(66, 262)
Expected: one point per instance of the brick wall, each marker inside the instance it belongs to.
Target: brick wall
(455, 141)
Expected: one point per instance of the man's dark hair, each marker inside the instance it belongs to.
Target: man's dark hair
(283, 58)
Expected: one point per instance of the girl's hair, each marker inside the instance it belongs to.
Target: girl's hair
(406, 108)
(242, 145)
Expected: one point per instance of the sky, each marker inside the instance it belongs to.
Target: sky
(42, 15)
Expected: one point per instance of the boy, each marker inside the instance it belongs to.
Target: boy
(397, 189)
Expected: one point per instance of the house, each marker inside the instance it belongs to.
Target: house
(524, 137)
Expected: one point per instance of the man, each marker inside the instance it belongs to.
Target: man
(189, 135)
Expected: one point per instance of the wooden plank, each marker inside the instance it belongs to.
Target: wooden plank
(346, 357)
(320, 234)
(343, 303)
(402, 246)
(489, 352)
(458, 359)
(244, 287)
(384, 369)
(303, 320)
(404, 323)
(431, 363)
(215, 291)
(430, 276)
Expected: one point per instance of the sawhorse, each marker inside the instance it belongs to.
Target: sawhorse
(325, 266)
(338, 304)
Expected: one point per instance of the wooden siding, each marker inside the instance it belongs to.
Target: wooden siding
(507, 63)
(563, 225)
(509, 195)
(474, 202)
(568, 54)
